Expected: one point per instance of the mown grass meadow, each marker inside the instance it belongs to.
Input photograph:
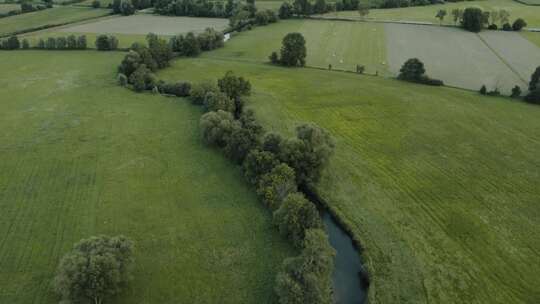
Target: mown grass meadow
(82, 156)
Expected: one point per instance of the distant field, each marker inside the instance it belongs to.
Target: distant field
(530, 2)
(53, 16)
(533, 37)
(6, 8)
(531, 14)
(462, 59)
(342, 44)
(144, 24)
(439, 184)
(82, 156)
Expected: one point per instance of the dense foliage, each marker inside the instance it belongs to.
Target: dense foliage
(413, 70)
(293, 51)
(97, 268)
(106, 43)
(472, 19)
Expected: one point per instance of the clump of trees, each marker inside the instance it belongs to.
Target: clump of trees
(12, 43)
(128, 7)
(106, 43)
(70, 42)
(197, 8)
(474, 19)
(192, 45)
(413, 71)
(293, 51)
(95, 269)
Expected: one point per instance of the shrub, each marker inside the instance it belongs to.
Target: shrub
(483, 90)
(412, 70)
(122, 80)
(519, 24)
(274, 58)
(96, 268)
(492, 26)
(25, 44)
(516, 92)
(494, 92)
(216, 127)
(180, 89)
(126, 8)
(257, 164)
(293, 50)
(96, 4)
(507, 27)
(130, 63)
(275, 186)
(295, 215)
(187, 45)
(160, 50)
(200, 90)
(234, 86)
(272, 143)
(244, 137)
(210, 39)
(261, 18)
(472, 19)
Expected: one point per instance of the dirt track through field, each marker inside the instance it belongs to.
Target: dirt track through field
(462, 59)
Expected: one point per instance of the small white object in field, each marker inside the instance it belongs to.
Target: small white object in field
(384, 62)
(226, 37)
(341, 61)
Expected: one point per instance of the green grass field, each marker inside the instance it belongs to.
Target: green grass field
(342, 44)
(531, 14)
(533, 37)
(53, 16)
(439, 184)
(6, 8)
(82, 156)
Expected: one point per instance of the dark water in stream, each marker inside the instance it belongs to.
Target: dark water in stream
(350, 285)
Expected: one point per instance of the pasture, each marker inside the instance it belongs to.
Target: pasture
(464, 59)
(427, 13)
(439, 184)
(533, 37)
(341, 44)
(143, 24)
(6, 8)
(82, 156)
(48, 17)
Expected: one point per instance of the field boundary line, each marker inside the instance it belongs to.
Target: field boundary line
(501, 59)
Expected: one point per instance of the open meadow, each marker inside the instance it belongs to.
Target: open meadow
(341, 44)
(48, 17)
(82, 156)
(439, 184)
(427, 13)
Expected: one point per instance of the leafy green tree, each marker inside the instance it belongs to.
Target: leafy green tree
(106, 43)
(13, 43)
(160, 50)
(535, 80)
(457, 15)
(81, 42)
(275, 186)
(61, 43)
(412, 70)
(25, 44)
(516, 92)
(363, 10)
(71, 42)
(116, 6)
(473, 19)
(519, 24)
(308, 277)
(483, 90)
(257, 164)
(261, 18)
(320, 7)
(308, 153)
(217, 127)
(294, 216)
(504, 16)
(190, 46)
(142, 79)
(293, 50)
(50, 44)
(533, 96)
(272, 143)
(126, 8)
(214, 101)
(286, 10)
(234, 86)
(96, 4)
(130, 63)
(201, 90)
(41, 43)
(96, 269)
(440, 15)
(274, 58)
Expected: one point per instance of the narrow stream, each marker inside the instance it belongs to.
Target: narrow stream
(350, 284)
